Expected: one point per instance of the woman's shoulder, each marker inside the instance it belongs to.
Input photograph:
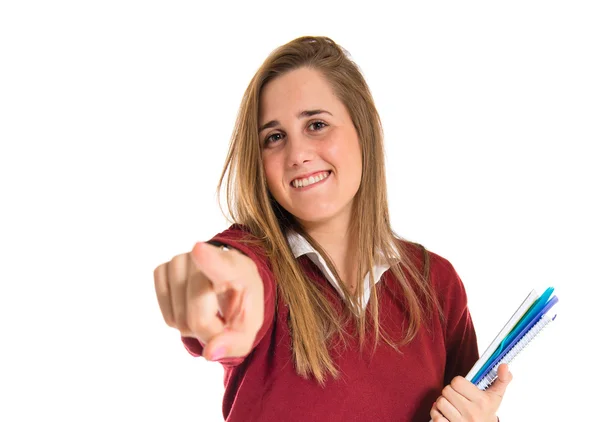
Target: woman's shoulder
(440, 270)
(421, 256)
(443, 278)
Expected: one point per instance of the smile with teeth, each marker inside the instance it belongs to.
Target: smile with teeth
(301, 183)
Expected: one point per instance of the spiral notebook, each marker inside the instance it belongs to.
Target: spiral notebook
(534, 314)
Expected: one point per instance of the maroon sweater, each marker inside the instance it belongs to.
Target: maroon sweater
(385, 386)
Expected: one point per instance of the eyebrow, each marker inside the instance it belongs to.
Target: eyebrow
(305, 113)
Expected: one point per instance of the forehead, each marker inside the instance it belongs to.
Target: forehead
(296, 90)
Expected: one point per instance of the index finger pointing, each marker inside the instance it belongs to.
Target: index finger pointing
(216, 263)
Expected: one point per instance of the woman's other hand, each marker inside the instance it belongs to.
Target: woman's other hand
(462, 401)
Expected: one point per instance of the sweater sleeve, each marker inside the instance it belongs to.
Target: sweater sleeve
(231, 238)
(459, 336)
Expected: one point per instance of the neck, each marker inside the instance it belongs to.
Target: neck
(333, 235)
(335, 238)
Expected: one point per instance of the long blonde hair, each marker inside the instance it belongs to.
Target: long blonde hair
(313, 321)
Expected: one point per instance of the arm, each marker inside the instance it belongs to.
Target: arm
(461, 398)
(460, 337)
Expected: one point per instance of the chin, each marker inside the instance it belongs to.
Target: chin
(314, 215)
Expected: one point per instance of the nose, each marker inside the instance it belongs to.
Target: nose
(299, 150)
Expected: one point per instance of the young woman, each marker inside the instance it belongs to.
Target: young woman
(317, 310)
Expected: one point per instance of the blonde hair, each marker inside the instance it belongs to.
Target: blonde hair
(313, 321)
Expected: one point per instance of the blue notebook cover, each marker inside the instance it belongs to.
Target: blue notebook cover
(529, 320)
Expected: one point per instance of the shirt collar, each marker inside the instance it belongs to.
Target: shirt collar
(300, 246)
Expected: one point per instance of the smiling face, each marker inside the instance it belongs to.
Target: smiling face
(310, 148)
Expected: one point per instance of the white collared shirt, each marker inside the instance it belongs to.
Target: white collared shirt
(300, 246)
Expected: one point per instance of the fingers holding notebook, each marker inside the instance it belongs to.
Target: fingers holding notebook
(461, 400)
(504, 378)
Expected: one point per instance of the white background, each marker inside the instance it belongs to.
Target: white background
(115, 118)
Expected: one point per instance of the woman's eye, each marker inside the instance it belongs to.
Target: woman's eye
(271, 139)
(318, 123)
(317, 126)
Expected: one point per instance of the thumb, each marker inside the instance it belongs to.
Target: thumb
(504, 378)
(228, 344)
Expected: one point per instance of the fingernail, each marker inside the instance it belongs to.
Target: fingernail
(197, 248)
(218, 353)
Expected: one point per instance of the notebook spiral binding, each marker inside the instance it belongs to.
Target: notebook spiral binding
(491, 376)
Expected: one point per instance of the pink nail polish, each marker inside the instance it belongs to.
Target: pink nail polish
(218, 353)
